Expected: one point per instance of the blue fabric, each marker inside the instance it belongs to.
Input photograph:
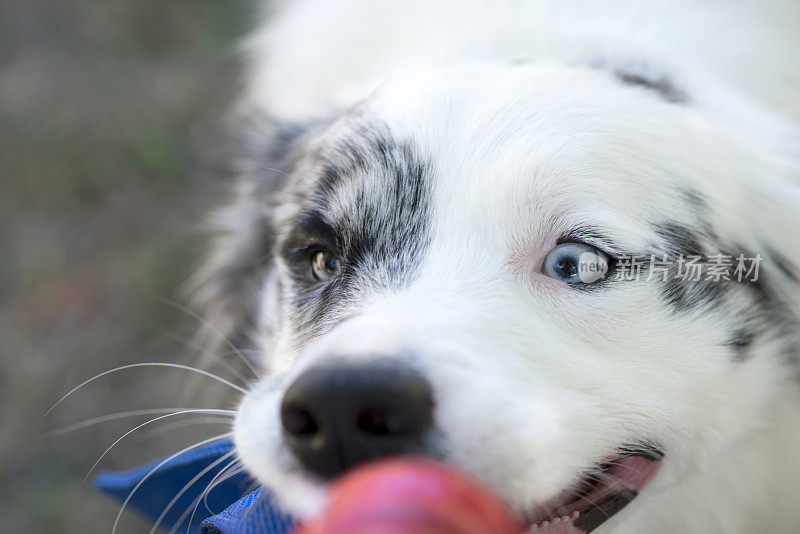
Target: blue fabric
(233, 509)
(256, 513)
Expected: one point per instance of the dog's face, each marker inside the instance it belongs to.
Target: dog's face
(440, 271)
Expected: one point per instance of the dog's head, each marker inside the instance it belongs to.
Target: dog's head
(493, 266)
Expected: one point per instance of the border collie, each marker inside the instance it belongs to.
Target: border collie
(551, 242)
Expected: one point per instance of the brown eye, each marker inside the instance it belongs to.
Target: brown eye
(324, 265)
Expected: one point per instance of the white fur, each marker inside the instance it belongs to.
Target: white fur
(533, 381)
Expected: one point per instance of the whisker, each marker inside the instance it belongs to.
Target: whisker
(203, 495)
(251, 488)
(583, 498)
(163, 429)
(115, 416)
(603, 478)
(188, 485)
(157, 467)
(273, 169)
(211, 328)
(220, 362)
(595, 505)
(134, 429)
(235, 471)
(148, 364)
(194, 346)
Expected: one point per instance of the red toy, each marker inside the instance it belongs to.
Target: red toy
(408, 496)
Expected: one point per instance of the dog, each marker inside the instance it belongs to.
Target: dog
(552, 243)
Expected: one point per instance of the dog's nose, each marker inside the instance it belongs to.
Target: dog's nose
(336, 417)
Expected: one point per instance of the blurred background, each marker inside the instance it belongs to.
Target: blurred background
(110, 158)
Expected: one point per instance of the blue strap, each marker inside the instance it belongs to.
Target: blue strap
(233, 510)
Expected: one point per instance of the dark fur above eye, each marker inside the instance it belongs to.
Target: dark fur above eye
(312, 224)
(660, 85)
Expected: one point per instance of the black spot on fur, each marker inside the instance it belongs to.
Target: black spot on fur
(680, 239)
(687, 290)
(686, 295)
(697, 202)
(370, 209)
(741, 284)
(740, 342)
(661, 85)
(770, 314)
(783, 265)
(762, 289)
(699, 211)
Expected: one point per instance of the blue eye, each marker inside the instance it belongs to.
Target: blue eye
(576, 263)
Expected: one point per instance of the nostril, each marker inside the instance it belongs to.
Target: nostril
(380, 422)
(336, 417)
(298, 421)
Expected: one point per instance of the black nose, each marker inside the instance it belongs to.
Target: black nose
(336, 417)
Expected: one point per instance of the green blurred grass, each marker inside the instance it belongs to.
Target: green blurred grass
(108, 112)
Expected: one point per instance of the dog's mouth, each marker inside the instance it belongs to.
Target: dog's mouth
(598, 496)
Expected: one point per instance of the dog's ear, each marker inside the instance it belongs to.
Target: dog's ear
(229, 288)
